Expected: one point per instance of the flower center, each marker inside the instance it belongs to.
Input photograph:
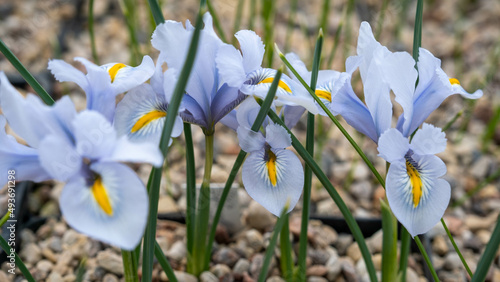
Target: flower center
(101, 196)
(324, 94)
(114, 70)
(271, 167)
(454, 81)
(416, 182)
(281, 84)
(146, 119)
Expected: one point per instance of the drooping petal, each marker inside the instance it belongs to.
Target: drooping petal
(277, 137)
(125, 77)
(291, 115)
(392, 145)
(353, 110)
(230, 66)
(273, 179)
(400, 73)
(134, 152)
(230, 120)
(429, 140)
(112, 208)
(30, 118)
(249, 140)
(59, 158)
(193, 113)
(252, 49)
(63, 72)
(417, 197)
(22, 159)
(141, 114)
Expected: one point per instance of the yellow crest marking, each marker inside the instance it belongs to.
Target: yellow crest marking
(281, 84)
(271, 168)
(101, 196)
(324, 94)
(454, 81)
(114, 70)
(147, 118)
(416, 183)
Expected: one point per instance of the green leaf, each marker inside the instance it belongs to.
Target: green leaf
(389, 244)
(488, 256)
(160, 256)
(19, 263)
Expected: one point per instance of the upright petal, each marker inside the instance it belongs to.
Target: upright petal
(277, 137)
(171, 38)
(94, 134)
(252, 48)
(250, 141)
(367, 47)
(22, 159)
(429, 140)
(230, 65)
(400, 73)
(273, 178)
(112, 208)
(392, 145)
(299, 66)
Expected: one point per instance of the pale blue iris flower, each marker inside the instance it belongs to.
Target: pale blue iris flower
(103, 83)
(416, 193)
(208, 99)
(141, 114)
(243, 70)
(102, 197)
(272, 175)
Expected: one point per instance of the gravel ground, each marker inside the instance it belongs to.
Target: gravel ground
(462, 33)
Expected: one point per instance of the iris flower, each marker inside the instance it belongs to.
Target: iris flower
(102, 83)
(102, 197)
(417, 194)
(272, 175)
(141, 114)
(382, 71)
(208, 99)
(243, 71)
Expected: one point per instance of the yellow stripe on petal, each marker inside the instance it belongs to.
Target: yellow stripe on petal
(324, 94)
(101, 197)
(146, 119)
(271, 168)
(454, 81)
(114, 70)
(416, 183)
(281, 84)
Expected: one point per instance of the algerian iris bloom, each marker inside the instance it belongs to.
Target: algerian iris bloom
(417, 194)
(102, 83)
(382, 71)
(325, 84)
(208, 99)
(102, 197)
(272, 175)
(141, 114)
(243, 70)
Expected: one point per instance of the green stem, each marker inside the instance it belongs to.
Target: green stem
(217, 24)
(380, 21)
(268, 17)
(488, 256)
(253, 13)
(128, 10)
(239, 161)
(478, 187)
(351, 222)
(286, 251)
(426, 258)
(203, 209)
(129, 268)
(456, 247)
(4, 219)
(190, 190)
(91, 32)
(405, 252)
(290, 24)
(389, 243)
(417, 33)
(237, 19)
(453, 120)
(334, 120)
(173, 108)
(26, 74)
(19, 263)
(272, 243)
(164, 263)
